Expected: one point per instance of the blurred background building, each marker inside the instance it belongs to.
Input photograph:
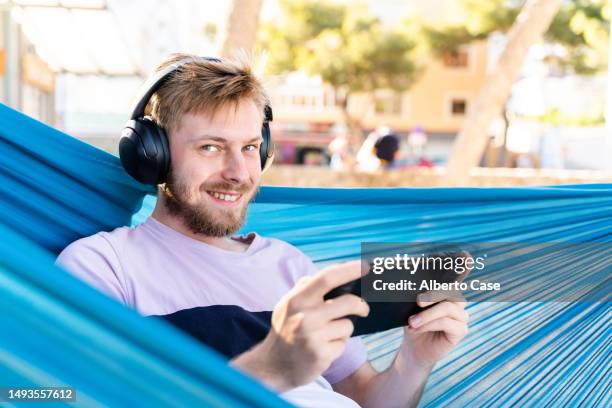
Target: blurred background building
(77, 65)
(307, 115)
(28, 83)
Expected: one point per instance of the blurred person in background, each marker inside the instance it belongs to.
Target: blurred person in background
(366, 156)
(386, 150)
(338, 149)
(551, 149)
(417, 139)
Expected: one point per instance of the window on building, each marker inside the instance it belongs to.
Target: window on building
(388, 103)
(456, 59)
(458, 106)
(298, 100)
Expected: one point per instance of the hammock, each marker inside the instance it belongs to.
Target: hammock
(57, 331)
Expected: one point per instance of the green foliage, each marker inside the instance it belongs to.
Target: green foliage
(448, 40)
(474, 20)
(210, 31)
(348, 48)
(581, 26)
(555, 117)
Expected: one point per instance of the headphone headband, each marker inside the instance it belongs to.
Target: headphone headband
(155, 82)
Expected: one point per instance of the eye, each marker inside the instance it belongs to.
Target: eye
(251, 148)
(209, 148)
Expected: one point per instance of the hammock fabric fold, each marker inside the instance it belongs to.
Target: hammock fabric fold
(57, 331)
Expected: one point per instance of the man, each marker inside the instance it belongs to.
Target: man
(257, 300)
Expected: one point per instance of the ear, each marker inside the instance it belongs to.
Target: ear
(269, 161)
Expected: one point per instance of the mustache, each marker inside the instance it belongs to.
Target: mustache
(224, 186)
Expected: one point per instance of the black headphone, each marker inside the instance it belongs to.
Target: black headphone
(144, 150)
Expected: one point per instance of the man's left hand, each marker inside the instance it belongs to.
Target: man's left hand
(432, 333)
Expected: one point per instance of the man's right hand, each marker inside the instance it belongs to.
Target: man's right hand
(307, 333)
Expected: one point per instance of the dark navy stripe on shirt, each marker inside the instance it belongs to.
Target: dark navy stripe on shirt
(229, 329)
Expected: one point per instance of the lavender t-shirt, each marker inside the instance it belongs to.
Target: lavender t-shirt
(223, 298)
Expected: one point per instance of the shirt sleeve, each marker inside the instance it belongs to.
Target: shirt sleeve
(354, 355)
(94, 261)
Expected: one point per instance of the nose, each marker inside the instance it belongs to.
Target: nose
(235, 168)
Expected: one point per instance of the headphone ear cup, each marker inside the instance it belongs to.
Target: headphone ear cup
(164, 159)
(266, 150)
(144, 151)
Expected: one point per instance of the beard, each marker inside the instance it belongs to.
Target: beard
(205, 219)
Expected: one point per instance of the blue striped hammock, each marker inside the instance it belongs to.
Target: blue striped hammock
(57, 331)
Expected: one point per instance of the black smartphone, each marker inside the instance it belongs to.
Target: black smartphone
(388, 315)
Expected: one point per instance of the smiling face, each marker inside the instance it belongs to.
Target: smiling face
(215, 169)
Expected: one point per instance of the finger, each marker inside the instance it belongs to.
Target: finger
(434, 296)
(302, 281)
(340, 329)
(335, 348)
(462, 303)
(438, 311)
(454, 330)
(330, 278)
(341, 306)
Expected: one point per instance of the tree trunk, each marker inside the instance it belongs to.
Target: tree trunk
(530, 25)
(241, 29)
(355, 129)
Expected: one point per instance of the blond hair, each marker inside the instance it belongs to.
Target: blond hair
(203, 86)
